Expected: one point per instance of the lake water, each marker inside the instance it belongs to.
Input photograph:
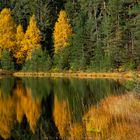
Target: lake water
(54, 108)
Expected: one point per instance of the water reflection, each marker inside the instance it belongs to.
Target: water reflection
(43, 108)
(16, 102)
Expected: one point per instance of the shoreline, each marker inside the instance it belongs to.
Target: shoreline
(91, 75)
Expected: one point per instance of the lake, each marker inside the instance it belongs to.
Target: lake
(61, 108)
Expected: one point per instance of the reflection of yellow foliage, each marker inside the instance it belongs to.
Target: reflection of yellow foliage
(7, 116)
(14, 107)
(33, 110)
(62, 117)
(20, 112)
(28, 106)
(19, 92)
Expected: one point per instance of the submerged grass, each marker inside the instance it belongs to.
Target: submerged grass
(116, 118)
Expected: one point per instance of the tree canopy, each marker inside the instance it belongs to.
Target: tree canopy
(99, 35)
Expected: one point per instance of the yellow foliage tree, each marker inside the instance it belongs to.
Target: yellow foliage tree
(62, 31)
(7, 30)
(31, 39)
(17, 51)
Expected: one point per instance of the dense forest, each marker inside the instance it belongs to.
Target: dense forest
(75, 35)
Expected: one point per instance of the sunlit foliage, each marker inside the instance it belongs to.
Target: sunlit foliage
(7, 30)
(17, 51)
(62, 31)
(31, 39)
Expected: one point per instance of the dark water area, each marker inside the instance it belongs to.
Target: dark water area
(56, 108)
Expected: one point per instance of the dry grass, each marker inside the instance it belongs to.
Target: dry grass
(117, 118)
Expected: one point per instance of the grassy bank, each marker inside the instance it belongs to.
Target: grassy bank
(5, 73)
(77, 74)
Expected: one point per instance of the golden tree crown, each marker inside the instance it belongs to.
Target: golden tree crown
(62, 31)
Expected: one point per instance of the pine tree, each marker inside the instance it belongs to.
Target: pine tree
(46, 13)
(133, 34)
(62, 32)
(7, 30)
(114, 40)
(77, 43)
(17, 51)
(31, 39)
(22, 11)
(5, 3)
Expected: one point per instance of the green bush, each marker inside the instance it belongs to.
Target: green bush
(40, 61)
(6, 60)
(62, 59)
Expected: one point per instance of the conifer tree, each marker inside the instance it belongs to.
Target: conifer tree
(31, 39)
(7, 30)
(22, 11)
(19, 37)
(62, 31)
(133, 35)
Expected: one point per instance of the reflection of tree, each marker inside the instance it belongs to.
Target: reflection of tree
(116, 117)
(21, 131)
(73, 98)
(82, 94)
(29, 107)
(41, 87)
(79, 108)
(27, 112)
(6, 85)
(15, 106)
(45, 127)
(7, 115)
(62, 117)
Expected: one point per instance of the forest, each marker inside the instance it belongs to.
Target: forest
(70, 35)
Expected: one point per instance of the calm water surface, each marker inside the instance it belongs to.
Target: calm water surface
(43, 108)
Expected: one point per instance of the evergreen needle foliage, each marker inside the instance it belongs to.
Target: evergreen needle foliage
(93, 35)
